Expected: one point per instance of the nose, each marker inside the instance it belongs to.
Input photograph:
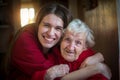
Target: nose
(71, 46)
(51, 31)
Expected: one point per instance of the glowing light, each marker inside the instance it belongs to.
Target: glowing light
(27, 16)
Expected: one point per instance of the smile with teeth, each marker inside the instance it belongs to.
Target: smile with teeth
(69, 52)
(48, 39)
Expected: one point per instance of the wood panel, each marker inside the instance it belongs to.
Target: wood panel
(118, 18)
(103, 21)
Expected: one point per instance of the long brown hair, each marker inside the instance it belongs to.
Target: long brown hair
(54, 8)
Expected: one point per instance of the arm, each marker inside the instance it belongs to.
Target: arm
(56, 71)
(88, 71)
(96, 58)
(27, 57)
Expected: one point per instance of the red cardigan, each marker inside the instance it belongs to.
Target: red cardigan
(76, 64)
(27, 59)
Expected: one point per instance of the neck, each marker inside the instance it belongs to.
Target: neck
(45, 50)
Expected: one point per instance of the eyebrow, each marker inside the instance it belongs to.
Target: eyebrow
(60, 27)
(45, 22)
(50, 24)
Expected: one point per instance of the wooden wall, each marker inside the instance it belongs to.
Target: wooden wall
(118, 18)
(103, 21)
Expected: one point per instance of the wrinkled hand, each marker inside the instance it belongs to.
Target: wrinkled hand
(57, 71)
(105, 70)
(96, 58)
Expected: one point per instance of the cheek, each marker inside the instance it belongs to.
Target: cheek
(59, 35)
(62, 47)
(39, 30)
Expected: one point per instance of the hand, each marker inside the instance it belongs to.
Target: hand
(96, 58)
(105, 70)
(57, 71)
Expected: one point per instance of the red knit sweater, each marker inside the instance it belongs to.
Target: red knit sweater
(27, 59)
(76, 64)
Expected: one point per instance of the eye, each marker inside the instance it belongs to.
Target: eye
(67, 39)
(46, 25)
(59, 28)
(78, 43)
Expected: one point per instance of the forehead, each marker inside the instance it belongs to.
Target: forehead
(74, 35)
(53, 20)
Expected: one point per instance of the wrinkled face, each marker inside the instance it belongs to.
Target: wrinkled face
(72, 46)
(50, 30)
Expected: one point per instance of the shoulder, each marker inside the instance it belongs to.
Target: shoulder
(89, 51)
(26, 37)
(86, 53)
(26, 32)
(28, 29)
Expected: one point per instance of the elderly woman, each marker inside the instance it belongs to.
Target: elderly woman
(75, 47)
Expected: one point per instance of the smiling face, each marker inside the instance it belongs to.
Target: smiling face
(50, 30)
(72, 45)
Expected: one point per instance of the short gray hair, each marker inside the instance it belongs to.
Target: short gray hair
(77, 26)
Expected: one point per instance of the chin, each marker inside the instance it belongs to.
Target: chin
(70, 60)
(48, 46)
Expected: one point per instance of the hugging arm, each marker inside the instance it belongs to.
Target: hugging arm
(88, 71)
(81, 74)
(90, 66)
(96, 58)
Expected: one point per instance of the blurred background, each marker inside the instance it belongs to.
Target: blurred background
(103, 17)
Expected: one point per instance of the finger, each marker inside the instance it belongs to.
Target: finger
(83, 65)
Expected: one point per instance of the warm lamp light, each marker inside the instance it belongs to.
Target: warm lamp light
(27, 16)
